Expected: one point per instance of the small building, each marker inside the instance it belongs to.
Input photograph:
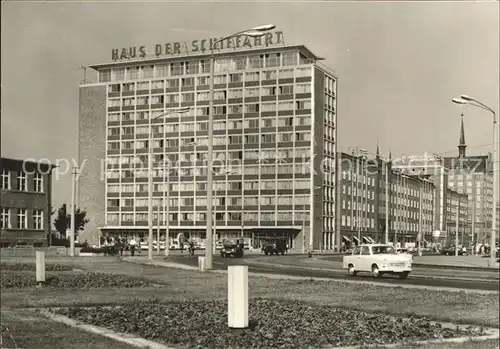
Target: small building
(26, 202)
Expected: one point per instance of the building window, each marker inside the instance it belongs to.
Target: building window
(21, 181)
(192, 67)
(252, 108)
(285, 105)
(38, 182)
(105, 75)
(235, 93)
(286, 89)
(252, 76)
(252, 92)
(269, 75)
(301, 105)
(5, 179)
(38, 219)
(256, 61)
(303, 88)
(237, 77)
(5, 219)
(290, 58)
(285, 73)
(22, 218)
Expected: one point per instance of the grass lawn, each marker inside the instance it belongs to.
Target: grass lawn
(30, 330)
(458, 307)
(185, 284)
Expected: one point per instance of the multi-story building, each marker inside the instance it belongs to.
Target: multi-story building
(457, 216)
(432, 168)
(274, 122)
(362, 202)
(473, 175)
(25, 202)
(498, 217)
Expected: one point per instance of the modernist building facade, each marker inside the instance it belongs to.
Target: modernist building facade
(432, 168)
(473, 175)
(362, 202)
(25, 206)
(274, 124)
(457, 221)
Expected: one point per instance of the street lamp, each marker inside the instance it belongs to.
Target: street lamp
(150, 175)
(252, 32)
(224, 172)
(167, 207)
(317, 187)
(464, 99)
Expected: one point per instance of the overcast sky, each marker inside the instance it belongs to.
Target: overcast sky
(399, 64)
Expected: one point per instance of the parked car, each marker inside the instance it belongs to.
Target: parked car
(450, 251)
(219, 245)
(377, 259)
(274, 247)
(232, 248)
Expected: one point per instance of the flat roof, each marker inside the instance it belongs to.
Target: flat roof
(228, 52)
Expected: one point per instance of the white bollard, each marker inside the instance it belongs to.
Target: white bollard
(202, 262)
(40, 267)
(237, 296)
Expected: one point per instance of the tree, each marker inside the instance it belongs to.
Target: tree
(62, 222)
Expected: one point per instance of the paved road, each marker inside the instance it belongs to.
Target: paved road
(296, 265)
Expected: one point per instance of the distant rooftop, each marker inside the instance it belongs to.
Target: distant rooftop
(28, 164)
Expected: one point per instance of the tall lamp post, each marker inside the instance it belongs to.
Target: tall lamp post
(464, 99)
(253, 32)
(167, 200)
(150, 176)
(226, 173)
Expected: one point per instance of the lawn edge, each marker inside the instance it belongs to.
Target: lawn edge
(127, 338)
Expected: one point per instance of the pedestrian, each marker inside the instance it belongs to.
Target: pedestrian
(132, 243)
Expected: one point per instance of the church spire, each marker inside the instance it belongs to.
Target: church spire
(378, 150)
(461, 144)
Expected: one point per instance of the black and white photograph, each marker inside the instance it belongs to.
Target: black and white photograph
(250, 174)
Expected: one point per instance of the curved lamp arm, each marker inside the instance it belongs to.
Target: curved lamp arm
(479, 104)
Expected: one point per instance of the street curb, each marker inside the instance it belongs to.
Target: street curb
(132, 340)
(462, 267)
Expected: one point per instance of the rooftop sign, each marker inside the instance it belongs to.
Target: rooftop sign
(196, 46)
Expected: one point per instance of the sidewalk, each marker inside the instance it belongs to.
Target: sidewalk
(454, 261)
(157, 261)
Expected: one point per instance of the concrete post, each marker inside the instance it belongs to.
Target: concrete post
(237, 296)
(202, 263)
(40, 267)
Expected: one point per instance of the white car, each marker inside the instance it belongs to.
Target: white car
(377, 259)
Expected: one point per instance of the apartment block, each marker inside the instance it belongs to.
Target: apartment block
(274, 122)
